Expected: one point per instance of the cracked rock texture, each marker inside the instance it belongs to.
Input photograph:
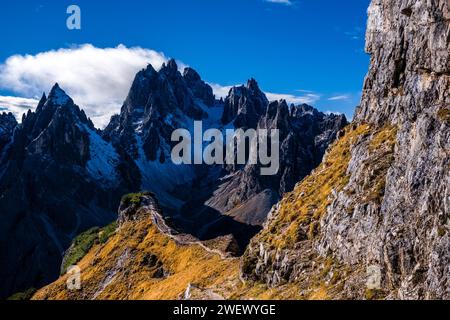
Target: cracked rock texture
(392, 213)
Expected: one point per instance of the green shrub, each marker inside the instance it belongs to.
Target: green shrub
(134, 198)
(107, 232)
(26, 295)
(444, 115)
(84, 242)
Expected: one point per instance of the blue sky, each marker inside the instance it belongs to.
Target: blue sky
(311, 48)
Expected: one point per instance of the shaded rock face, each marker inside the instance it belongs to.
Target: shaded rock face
(158, 103)
(61, 176)
(7, 125)
(245, 105)
(199, 88)
(393, 213)
(58, 178)
(409, 43)
(228, 200)
(305, 133)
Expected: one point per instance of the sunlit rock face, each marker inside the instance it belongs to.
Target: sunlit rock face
(391, 211)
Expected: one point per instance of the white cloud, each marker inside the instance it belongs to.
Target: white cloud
(220, 91)
(97, 79)
(285, 2)
(329, 112)
(339, 98)
(17, 106)
(308, 98)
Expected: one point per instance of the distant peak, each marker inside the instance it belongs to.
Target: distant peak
(171, 64)
(252, 84)
(149, 69)
(170, 67)
(58, 96)
(191, 74)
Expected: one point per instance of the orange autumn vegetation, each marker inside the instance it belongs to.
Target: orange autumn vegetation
(115, 270)
(119, 268)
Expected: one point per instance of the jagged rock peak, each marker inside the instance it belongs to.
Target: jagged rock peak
(245, 105)
(172, 64)
(7, 119)
(298, 111)
(58, 96)
(277, 108)
(252, 84)
(148, 71)
(191, 74)
(199, 88)
(170, 67)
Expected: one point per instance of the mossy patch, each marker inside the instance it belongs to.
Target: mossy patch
(134, 198)
(84, 242)
(26, 295)
(444, 115)
(374, 294)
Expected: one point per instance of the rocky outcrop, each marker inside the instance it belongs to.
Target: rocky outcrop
(7, 125)
(305, 133)
(199, 88)
(387, 219)
(409, 43)
(158, 103)
(245, 105)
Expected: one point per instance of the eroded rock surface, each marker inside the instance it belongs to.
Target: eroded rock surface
(391, 212)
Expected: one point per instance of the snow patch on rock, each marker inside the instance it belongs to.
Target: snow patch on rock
(103, 159)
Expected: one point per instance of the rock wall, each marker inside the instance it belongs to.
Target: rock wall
(406, 234)
(392, 216)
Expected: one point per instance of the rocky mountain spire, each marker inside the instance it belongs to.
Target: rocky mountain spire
(199, 88)
(245, 105)
(154, 98)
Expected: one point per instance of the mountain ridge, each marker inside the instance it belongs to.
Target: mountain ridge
(60, 176)
(372, 220)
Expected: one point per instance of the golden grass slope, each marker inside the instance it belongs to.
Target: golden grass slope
(139, 262)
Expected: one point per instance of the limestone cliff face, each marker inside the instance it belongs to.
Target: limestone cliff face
(408, 41)
(390, 209)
